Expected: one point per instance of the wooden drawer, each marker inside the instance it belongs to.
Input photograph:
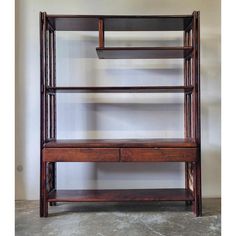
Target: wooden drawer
(158, 154)
(81, 154)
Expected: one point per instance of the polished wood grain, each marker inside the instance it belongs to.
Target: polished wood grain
(122, 154)
(119, 143)
(120, 22)
(81, 154)
(158, 154)
(143, 52)
(120, 195)
(123, 89)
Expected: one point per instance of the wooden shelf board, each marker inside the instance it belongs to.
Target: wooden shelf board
(120, 195)
(119, 143)
(120, 22)
(143, 52)
(126, 89)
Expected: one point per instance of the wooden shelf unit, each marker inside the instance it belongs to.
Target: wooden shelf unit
(187, 149)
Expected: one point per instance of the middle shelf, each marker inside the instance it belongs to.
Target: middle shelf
(123, 89)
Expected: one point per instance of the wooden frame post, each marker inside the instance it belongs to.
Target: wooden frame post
(42, 22)
(196, 128)
(198, 167)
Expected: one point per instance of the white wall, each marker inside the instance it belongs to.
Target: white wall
(117, 115)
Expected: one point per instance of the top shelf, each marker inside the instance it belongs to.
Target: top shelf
(120, 22)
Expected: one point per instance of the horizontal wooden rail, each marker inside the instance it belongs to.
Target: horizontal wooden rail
(125, 89)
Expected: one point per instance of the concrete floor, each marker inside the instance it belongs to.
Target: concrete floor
(123, 219)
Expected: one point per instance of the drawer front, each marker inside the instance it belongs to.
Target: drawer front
(80, 154)
(158, 154)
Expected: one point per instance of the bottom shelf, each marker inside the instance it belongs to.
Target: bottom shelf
(120, 195)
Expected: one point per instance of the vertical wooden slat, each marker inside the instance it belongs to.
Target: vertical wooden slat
(42, 22)
(54, 128)
(189, 97)
(198, 79)
(194, 77)
(50, 73)
(54, 84)
(185, 112)
(185, 83)
(189, 82)
(101, 32)
(46, 84)
(50, 84)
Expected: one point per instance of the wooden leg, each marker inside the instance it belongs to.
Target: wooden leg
(197, 204)
(44, 189)
(198, 189)
(41, 193)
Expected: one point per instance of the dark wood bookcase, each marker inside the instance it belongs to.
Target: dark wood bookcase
(187, 149)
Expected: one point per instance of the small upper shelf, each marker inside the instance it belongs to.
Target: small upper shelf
(143, 52)
(126, 89)
(120, 22)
